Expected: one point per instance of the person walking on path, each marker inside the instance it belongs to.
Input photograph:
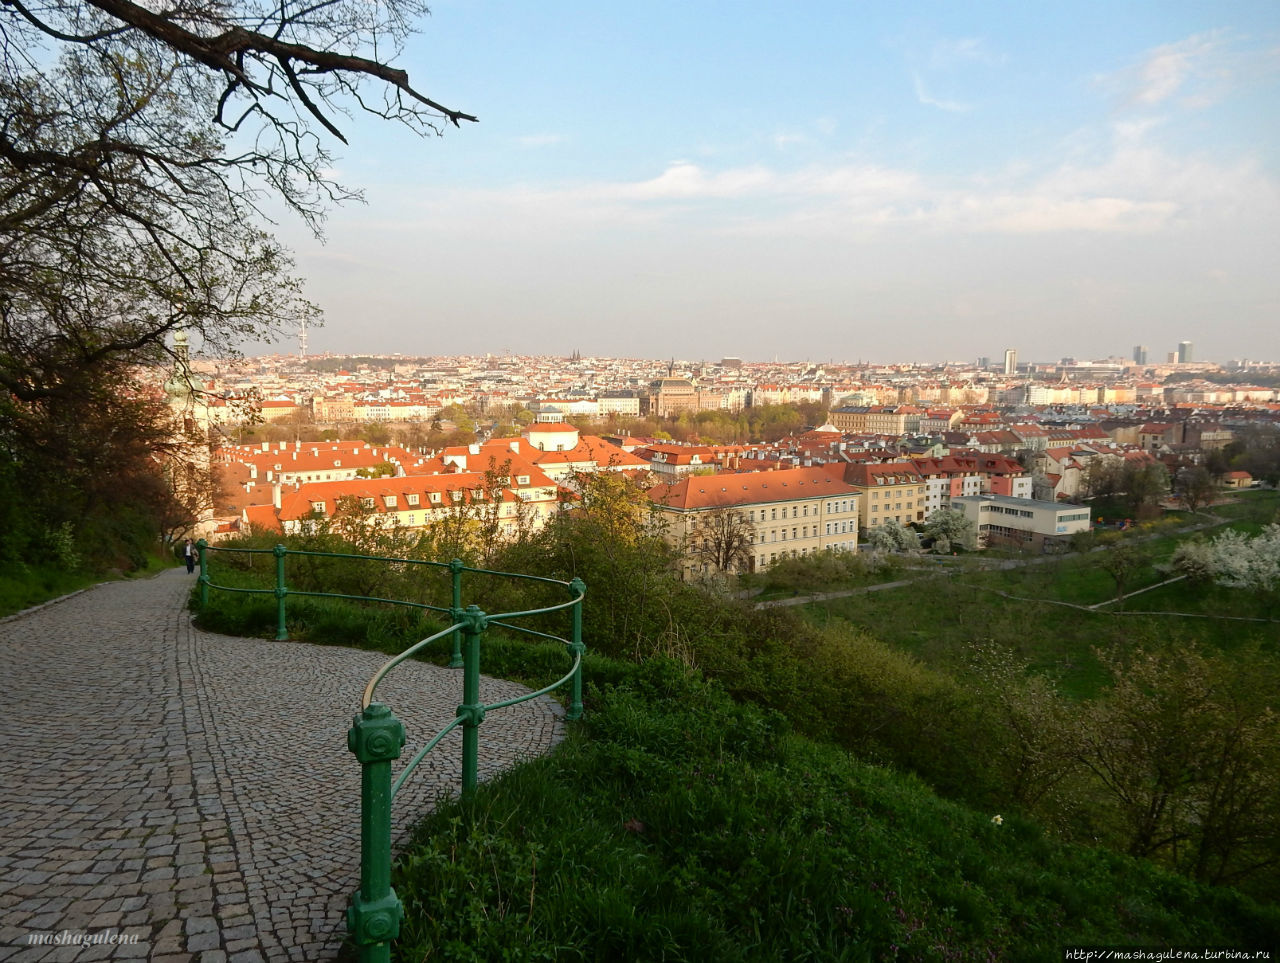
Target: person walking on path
(189, 553)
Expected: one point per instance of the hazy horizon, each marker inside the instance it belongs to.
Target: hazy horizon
(819, 180)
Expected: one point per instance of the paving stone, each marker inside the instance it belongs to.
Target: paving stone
(196, 789)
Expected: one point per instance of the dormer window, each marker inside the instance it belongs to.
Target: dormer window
(389, 501)
(318, 507)
(522, 479)
(367, 502)
(435, 498)
(412, 498)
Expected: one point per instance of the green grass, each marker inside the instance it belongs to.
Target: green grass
(24, 586)
(1258, 505)
(677, 824)
(675, 813)
(937, 619)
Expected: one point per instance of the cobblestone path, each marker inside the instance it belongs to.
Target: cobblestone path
(181, 796)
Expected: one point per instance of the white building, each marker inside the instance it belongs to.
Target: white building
(1022, 522)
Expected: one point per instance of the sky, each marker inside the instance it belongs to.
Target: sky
(818, 181)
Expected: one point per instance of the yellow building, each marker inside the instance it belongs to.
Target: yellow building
(892, 490)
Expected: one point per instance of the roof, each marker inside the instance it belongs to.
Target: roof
(876, 475)
(731, 490)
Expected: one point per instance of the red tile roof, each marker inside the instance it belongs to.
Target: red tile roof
(748, 488)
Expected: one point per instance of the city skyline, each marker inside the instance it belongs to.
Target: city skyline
(819, 182)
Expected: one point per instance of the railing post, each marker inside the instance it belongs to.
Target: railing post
(203, 578)
(373, 919)
(282, 633)
(471, 711)
(576, 649)
(455, 567)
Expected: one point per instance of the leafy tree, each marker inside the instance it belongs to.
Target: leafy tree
(1195, 487)
(462, 419)
(1102, 476)
(1144, 484)
(383, 469)
(1122, 562)
(1037, 740)
(1186, 750)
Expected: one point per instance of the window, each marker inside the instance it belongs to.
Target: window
(522, 479)
(318, 507)
(773, 514)
(389, 501)
(435, 498)
(412, 498)
(367, 502)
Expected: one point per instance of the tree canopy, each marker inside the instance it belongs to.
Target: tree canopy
(139, 146)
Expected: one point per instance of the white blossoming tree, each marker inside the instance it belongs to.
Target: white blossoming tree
(950, 528)
(892, 536)
(1239, 561)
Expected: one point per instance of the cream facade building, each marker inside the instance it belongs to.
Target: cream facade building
(790, 513)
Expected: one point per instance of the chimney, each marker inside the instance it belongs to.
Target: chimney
(266, 446)
(275, 496)
(473, 448)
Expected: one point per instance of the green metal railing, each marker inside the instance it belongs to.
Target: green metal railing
(376, 736)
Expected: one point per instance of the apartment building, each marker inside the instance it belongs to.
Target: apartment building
(889, 490)
(789, 513)
(878, 420)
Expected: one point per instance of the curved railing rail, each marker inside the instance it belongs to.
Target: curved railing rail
(376, 736)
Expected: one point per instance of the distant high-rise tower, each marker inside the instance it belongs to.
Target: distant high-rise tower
(1010, 361)
(1184, 352)
(1140, 354)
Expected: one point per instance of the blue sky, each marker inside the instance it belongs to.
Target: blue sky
(823, 181)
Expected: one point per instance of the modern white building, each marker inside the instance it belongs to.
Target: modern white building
(1022, 522)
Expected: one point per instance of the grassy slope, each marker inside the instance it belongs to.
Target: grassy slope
(676, 824)
(934, 619)
(22, 588)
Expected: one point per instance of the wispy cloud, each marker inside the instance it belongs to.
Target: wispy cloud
(924, 97)
(789, 139)
(1136, 189)
(949, 52)
(1166, 69)
(1195, 72)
